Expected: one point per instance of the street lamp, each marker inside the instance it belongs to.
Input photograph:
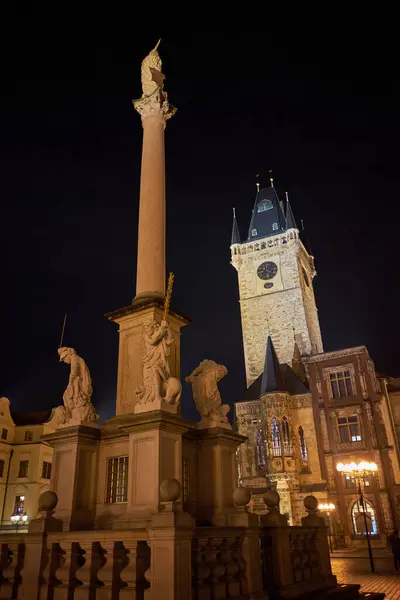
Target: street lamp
(359, 472)
(16, 518)
(327, 509)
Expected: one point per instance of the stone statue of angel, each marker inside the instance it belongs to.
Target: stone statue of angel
(206, 395)
(152, 77)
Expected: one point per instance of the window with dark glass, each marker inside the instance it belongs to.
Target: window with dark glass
(23, 468)
(341, 384)
(4, 434)
(28, 436)
(303, 445)
(276, 437)
(264, 205)
(287, 445)
(351, 482)
(1, 468)
(19, 505)
(46, 470)
(349, 429)
(117, 480)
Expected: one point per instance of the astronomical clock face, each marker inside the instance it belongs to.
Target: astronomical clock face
(267, 270)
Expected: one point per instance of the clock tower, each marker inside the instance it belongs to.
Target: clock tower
(275, 272)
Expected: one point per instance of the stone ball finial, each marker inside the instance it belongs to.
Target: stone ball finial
(271, 499)
(170, 490)
(47, 501)
(241, 496)
(310, 503)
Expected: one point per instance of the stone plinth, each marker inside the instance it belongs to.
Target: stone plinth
(155, 454)
(74, 474)
(217, 473)
(130, 376)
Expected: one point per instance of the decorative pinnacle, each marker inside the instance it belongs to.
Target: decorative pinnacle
(234, 212)
(271, 178)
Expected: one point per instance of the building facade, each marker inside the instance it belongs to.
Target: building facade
(345, 411)
(25, 463)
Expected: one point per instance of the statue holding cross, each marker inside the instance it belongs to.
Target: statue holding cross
(157, 339)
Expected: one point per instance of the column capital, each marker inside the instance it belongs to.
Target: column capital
(156, 105)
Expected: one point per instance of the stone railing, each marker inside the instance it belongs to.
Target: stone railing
(218, 567)
(75, 565)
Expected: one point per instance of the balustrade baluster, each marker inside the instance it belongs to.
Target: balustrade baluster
(217, 569)
(65, 573)
(231, 568)
(238, 558)
(126, 555)
(201, 572)
(105, 574)
(84, 571)
(11, 571)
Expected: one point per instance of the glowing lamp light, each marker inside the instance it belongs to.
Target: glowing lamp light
(353, 467)
(22, 498)
(326, 507)
(24, 517)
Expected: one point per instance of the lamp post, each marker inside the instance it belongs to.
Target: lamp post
(359, 472)
(327, 509)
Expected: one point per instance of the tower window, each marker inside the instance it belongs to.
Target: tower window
(341, 384)
(254, 232)
(276, 437)
(287, 446)
(28, 436)
(349, 429)
(274, 226)
(264, 205)
(303, 445)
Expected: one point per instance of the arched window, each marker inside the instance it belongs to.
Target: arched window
(254, 232)
(287, 446)
(264, 205)
(357, 517)
(303, 445)
(260, 449)
(276, 437)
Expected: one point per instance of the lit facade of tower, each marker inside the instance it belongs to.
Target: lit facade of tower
(275, 272)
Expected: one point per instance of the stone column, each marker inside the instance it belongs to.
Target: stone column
(74, 474)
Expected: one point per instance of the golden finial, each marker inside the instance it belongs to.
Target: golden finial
(271, 178)
(257, 183)
(168, 295)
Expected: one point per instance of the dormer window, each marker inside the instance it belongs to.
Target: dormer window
(274, 226)
(254, 232)
(264, 205)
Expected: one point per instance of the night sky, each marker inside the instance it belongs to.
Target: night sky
(70, 145)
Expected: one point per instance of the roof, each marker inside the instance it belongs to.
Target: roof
(272, 379)
(267, 218)
(290, 222)
(31, 418)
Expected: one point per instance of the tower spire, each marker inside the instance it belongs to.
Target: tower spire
(272, 379)
(291, 223)
(235, 238)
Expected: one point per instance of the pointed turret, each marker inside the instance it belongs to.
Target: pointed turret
(290, 222)
(272, 379)
(235, 239)
(267, 217)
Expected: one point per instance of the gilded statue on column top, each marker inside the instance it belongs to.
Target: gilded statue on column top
(154, 98)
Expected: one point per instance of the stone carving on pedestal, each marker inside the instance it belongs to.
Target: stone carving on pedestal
(158, 387)
(206, 396)
(78, 408)
(154, 100)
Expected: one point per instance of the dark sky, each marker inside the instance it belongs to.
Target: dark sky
(70, 145)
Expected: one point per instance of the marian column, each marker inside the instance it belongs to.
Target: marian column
(154, 109)
(145, 339)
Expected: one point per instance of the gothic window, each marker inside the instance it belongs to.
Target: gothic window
(287, 446)
(357, 517)
(341, 384)
(260, 448)
(264, 205)
(349, 429)
(254, 232)
(117, 480)
(274, 226)
(276, 437)
(303, 445)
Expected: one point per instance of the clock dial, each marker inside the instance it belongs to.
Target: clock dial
(267, 270)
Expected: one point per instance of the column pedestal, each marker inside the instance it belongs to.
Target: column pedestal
(217, 474)
(155, 454)
(74, 474)
(130, 373)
